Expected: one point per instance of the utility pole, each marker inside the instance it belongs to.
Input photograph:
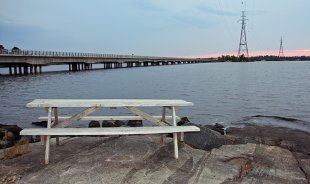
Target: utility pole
(243, 46)
(281, 53)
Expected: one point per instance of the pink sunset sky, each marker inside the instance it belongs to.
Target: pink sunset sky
(287, 53)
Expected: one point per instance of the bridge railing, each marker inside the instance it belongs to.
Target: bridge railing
(72, 54)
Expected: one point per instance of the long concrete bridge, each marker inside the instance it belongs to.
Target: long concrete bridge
(23, 62)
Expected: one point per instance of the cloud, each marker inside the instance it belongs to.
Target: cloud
(14, 33)
(210, 10)
(146, 5)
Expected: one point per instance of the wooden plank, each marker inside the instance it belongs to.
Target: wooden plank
(146, 116)
(109, 131)
(106, 103)
(76, 117)
(48, 137)
(55, 118)
(175, 135)
(112, 118)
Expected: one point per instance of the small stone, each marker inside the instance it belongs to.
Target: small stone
(40, 123)
(135, 123)
(183, 121)
(93, 124)
(119, 123)
(108, 124)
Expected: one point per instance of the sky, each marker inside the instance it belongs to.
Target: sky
(178, 28)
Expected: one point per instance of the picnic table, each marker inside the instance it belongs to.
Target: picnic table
(56, 124)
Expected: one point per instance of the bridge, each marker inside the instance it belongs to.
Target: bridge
(24, 62)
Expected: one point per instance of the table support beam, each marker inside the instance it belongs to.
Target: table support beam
(146, 116)
(76, 117)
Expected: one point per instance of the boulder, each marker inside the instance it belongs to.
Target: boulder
(183, 121)
(218, 127)
(135, 123)
(6, 144)
(40, 123)
(119, 123)
(106, 123)
(93, 124)
(12, 128)
(206, 139)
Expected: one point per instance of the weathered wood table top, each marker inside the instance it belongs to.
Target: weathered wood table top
(107, 103)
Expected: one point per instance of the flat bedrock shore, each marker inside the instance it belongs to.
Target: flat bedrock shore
(253, 154)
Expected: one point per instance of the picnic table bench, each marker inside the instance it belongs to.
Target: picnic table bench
(56, 124)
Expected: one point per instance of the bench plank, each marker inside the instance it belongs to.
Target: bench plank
(109, 131)
(106, 103)
(100, 118)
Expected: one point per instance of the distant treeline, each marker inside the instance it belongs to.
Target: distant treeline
(229, 58)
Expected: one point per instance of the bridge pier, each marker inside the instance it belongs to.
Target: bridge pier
(20, 69)
(31, 69)
(26, 69)
(35, 69)
(10, 70)
(74, 67)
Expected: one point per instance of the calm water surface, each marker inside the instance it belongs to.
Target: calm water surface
(274, 93)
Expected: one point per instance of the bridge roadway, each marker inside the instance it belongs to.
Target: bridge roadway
(23, 62)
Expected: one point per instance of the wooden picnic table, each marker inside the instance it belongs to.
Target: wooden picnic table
(55, 126)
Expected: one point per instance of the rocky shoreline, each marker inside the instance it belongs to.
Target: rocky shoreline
(250, 154)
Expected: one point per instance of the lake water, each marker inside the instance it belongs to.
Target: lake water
(275, 93)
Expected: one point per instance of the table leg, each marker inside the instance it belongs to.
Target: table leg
(47, 141)
(56, 122)
(182, 136)
(175, 135)
(163, 119)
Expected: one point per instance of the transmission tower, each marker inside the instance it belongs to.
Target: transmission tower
(281, 53)
(243, 46)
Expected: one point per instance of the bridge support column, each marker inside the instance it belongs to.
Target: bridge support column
(26, 69)
(35, 69)
(20, 69)
(10, 70)
(70, 67)
(86, 66)
(74, 66)
(40, 68)
(15, 70)
(31, 69)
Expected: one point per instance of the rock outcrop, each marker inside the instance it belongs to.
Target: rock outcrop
(143, 159)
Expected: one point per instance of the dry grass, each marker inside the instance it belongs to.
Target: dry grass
(20, 148)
